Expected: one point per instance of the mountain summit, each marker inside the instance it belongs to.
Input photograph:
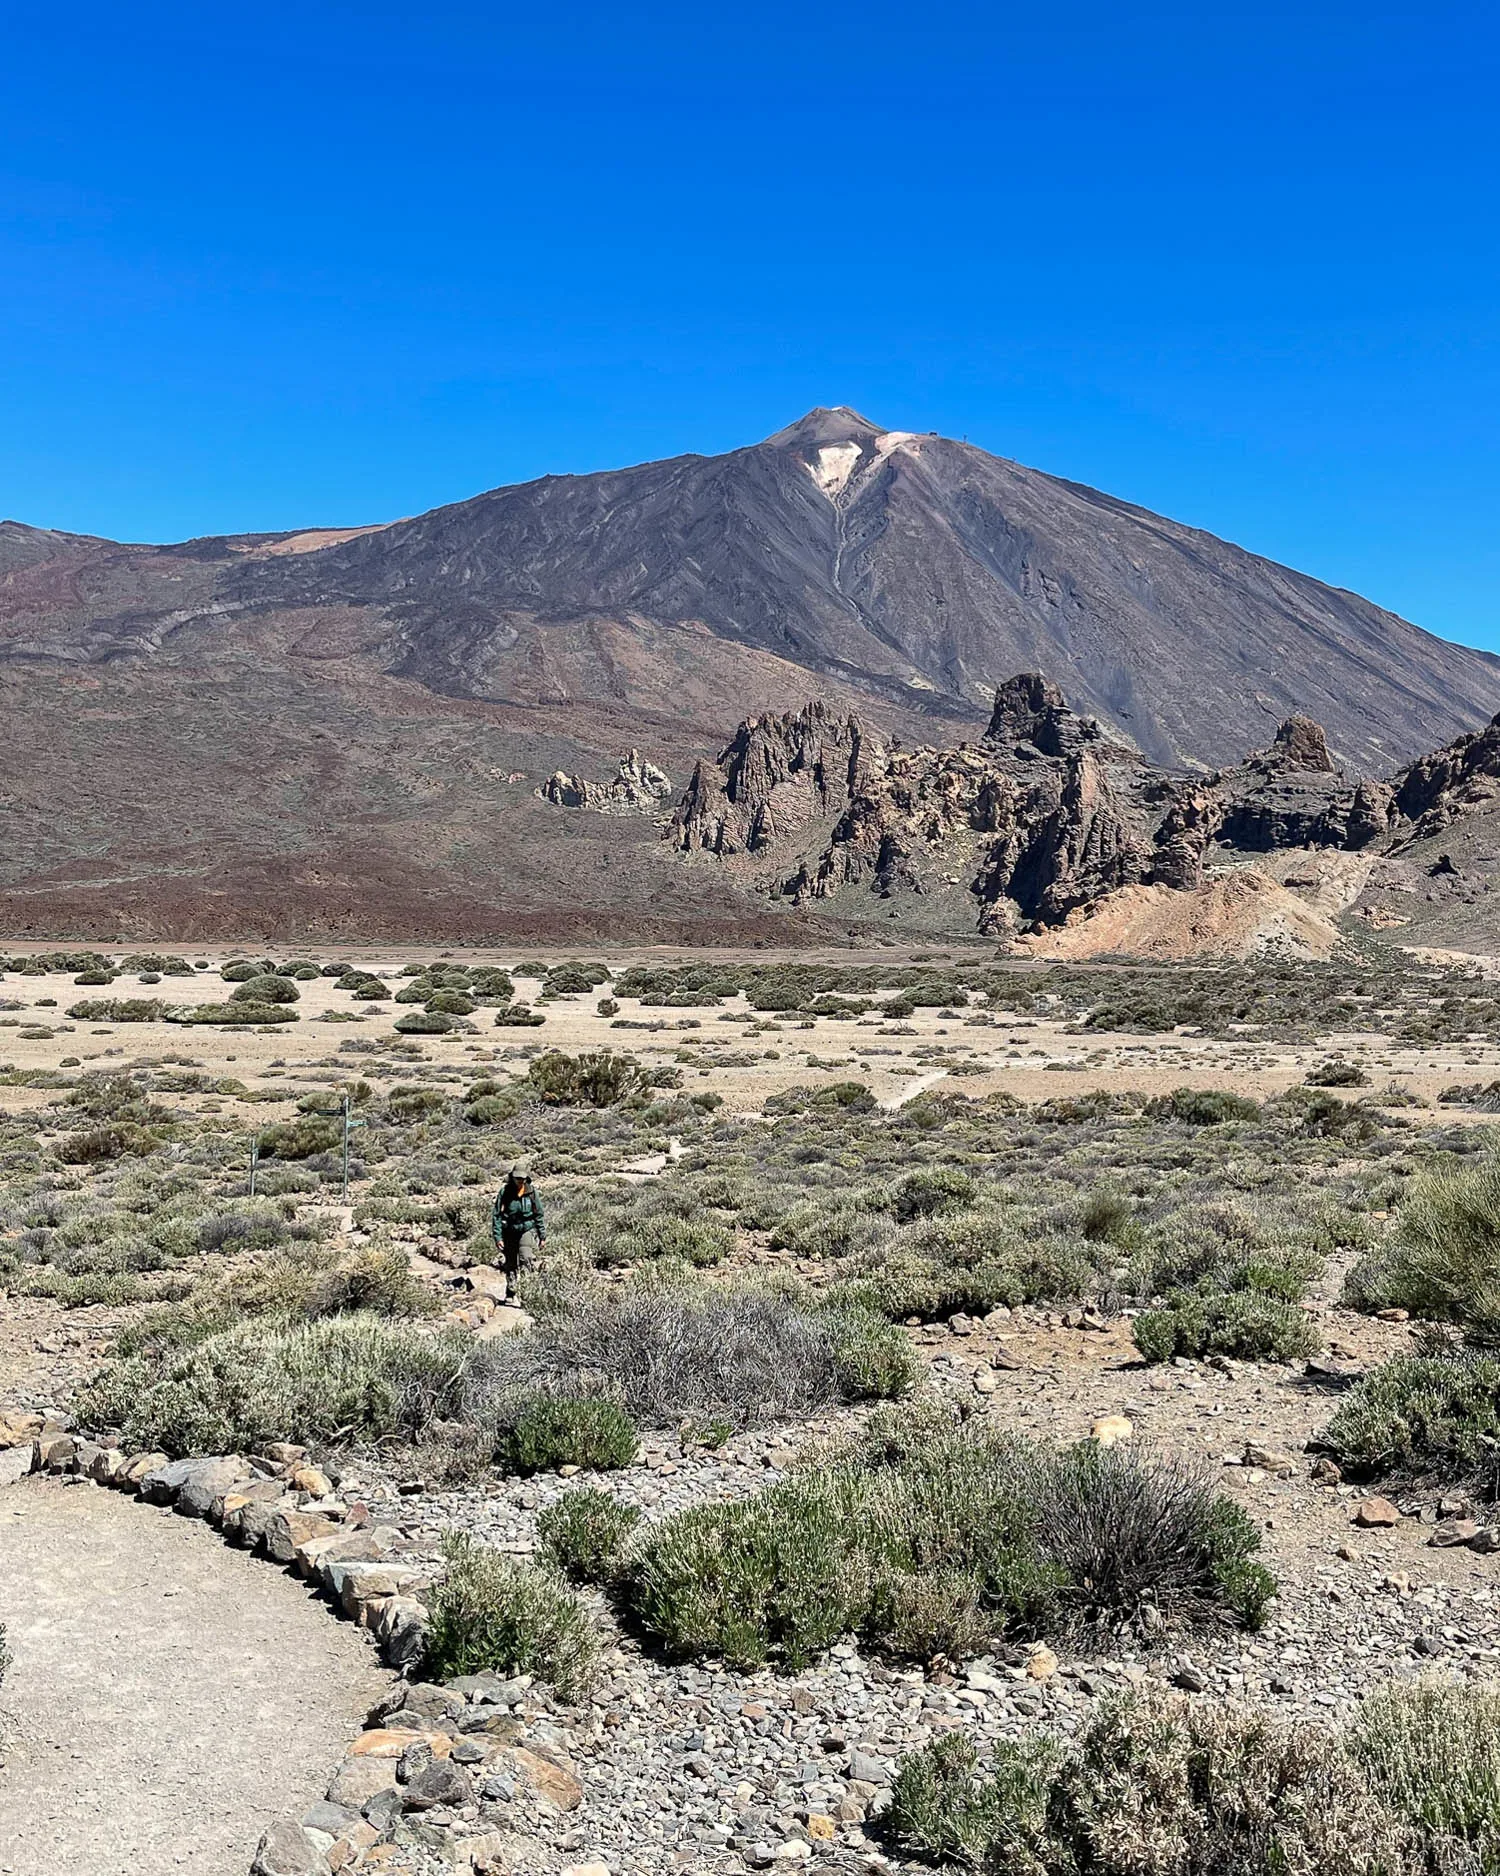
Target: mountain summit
(379, 703)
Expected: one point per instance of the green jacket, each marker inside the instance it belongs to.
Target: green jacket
(517, 1212)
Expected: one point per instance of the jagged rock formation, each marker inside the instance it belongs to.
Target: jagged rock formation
(1435, 790)
(1047, 815)
(636, 787)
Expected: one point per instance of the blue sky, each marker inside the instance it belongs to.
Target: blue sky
(272, 266)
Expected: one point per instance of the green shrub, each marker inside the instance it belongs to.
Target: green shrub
(1423, 1417)
(119, 1010)
(300, 1138)
(490, 1110)
(238, 1389)
(1151, 1787)
(1431, 1751)
(1243, 1323)
(237, 1015)
(1337, 1074)
(424, 1023)
(518, 1016)
(930, 1190)
(239, 971)
(115, 1140)
(597, 1079)
(1442, 1260)
(585, 1534)
(926, 1538)
(267, 989)
(1202, 1107)
(550, 1432)
(490, 1613)
(451, 1003)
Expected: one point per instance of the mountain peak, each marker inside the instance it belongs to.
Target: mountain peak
(826, 424)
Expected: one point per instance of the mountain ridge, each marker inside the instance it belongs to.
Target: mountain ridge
(184, 718)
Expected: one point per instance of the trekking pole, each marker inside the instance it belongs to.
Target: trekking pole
(254, 1161)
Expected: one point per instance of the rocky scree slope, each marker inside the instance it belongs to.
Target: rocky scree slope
(1048, 814)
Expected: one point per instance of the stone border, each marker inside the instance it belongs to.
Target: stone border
(428, 1752)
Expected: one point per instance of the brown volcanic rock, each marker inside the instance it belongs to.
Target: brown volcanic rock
(1045, 818)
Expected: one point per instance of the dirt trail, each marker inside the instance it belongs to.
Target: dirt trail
(170, 1698)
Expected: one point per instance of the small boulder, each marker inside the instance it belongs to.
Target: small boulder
(287, 1850)
(1110, 1429)
(1376, 1514)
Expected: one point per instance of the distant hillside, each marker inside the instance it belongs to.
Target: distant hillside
(343, 729)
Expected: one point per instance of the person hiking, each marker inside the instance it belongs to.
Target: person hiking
(518, 1225)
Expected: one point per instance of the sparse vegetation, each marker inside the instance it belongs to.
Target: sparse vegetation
(491, 1612)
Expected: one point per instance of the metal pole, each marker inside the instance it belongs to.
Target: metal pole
(346, 1147)
(254, 1162)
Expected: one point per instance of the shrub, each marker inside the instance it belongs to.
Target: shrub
(597, 1079)
(236, 1390)
(1243, 1323)
(1431, 1751)
(424, 1023)
(1202, 1107)
(239, 971)
(930, 1190)
(1337, 1074)
(585, 1533)
(267, 989)
(554, 1431)
(300, 1138)
(1151, 1787)
(1442, 1260)
(490, 1613)
(1423, 1417)
(451, 1003)
(669, 1352)
(119, 1010)
(518, 1016)
(237, 1015)
(927, 1539)
(116, 1140)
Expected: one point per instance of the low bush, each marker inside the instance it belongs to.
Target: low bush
(1431, 1751)
(553, 1431)
(1151, 1787)
(927, 1538)
(1202, 1107)
(300, 1138)
(115, 1140)
(451, 1003)
(675, 1351)
(1242, 1323)
(596, 1079)
(233, 1015)
(491, 1613)
(1337, 1074)
(518, 1016)
(346, 1376)
(585, 1533)
(267, 989)
(930, 1190)
(424, 1023)
(118, 1010)
(1442, 1260)
(1423, 1417)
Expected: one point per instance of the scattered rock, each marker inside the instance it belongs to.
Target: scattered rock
(1376, 1513)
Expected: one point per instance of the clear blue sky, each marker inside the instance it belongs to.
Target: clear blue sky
(273, 265)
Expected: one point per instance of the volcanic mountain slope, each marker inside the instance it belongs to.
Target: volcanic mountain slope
(343, 729)
(1049, 820)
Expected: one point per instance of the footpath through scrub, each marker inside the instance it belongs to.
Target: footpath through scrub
(170, 1698)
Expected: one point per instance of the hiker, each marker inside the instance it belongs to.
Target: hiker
(519, 1225)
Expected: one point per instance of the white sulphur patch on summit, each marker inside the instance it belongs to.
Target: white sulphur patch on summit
(833, 466)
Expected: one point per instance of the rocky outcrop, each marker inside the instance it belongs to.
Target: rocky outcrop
(1044, 817)
(779, 775)
(636, 787)
(1435, 790)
